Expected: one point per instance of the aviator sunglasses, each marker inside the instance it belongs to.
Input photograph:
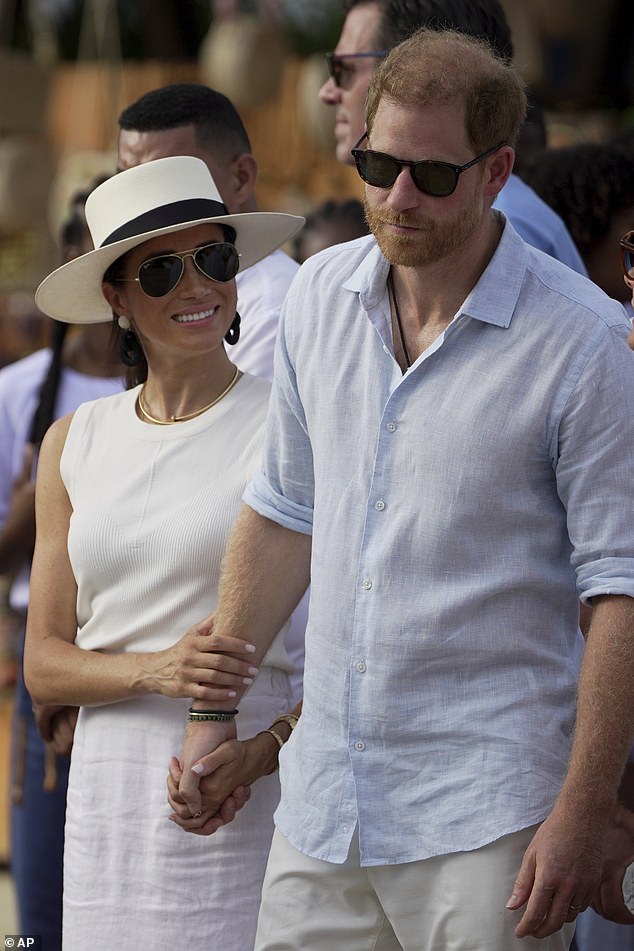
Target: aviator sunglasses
(160, 275)
(627, 254)
(438, 179)
(337, 67)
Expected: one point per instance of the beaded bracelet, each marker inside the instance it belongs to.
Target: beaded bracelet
(218, 716)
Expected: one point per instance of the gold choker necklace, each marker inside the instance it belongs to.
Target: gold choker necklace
(182, 419)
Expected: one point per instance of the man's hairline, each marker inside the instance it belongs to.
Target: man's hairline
(200, 141)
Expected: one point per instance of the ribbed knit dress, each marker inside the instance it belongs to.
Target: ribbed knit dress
(152, 509)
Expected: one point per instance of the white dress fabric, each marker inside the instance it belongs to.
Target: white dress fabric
(152, 507)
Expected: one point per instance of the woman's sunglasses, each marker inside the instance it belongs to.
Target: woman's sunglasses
(438, 179)
(160, 275)
(627, 254)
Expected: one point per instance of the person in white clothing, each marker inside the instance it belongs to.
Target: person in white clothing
(134, 500)
(192, 119)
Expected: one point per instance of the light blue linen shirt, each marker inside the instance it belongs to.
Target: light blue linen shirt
(538, 223)
(457, 511)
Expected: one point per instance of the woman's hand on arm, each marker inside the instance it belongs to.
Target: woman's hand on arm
(201, 665)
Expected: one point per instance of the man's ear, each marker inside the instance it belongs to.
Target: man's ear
(498, 170)
(245, 173)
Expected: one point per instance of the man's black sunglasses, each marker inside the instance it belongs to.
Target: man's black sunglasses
(433, 178)
(158, 276)
(337, 65)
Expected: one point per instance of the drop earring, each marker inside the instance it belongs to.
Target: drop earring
(233, 334)
(130, 349)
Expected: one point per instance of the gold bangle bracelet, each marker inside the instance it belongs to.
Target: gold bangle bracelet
(280, 741)
(289, 718)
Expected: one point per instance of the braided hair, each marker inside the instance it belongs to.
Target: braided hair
(73, 233)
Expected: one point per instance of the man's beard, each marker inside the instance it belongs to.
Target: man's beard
(431, 242)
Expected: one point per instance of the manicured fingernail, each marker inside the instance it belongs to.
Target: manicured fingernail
(249, 648)
(197, 768)
(231, 693)
(252, 670)
(247, 680)
(512, 901)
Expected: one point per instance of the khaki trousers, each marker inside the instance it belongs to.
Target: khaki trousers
(448, 903)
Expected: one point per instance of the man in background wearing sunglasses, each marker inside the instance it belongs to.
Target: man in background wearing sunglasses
(449, 452)
(370, 30)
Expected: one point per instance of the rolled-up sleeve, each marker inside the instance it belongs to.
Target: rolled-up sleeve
(283, 490)
(595, 467)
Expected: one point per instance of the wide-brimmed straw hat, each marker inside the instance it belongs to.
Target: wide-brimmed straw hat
(159, 197)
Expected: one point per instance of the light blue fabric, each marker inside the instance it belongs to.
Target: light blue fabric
(594, 933)
(454, 511)
(538, 223)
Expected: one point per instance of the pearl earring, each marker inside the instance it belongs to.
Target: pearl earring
(123, 322)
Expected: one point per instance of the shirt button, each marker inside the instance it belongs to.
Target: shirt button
(366, 584)
(361, 667)
(359, 746)
(391, 427)
(380, 505)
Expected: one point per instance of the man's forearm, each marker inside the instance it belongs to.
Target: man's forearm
(605, 713)
(561, 868)
(265, 572)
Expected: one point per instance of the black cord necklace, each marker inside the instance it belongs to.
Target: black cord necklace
(392, 294)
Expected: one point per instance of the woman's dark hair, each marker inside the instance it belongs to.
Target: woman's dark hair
(347, 215)
(587, 184)
(45, 412)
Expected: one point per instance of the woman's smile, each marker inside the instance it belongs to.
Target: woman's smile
(195, 317)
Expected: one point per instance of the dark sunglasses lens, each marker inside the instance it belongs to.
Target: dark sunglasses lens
(159, 276)
(334, 68)
(628, 262)
(378, 169)
(219, 262)
(435, 178)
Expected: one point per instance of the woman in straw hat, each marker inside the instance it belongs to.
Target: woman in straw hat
(135, 497)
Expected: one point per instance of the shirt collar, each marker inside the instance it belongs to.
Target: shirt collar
(492, 300)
